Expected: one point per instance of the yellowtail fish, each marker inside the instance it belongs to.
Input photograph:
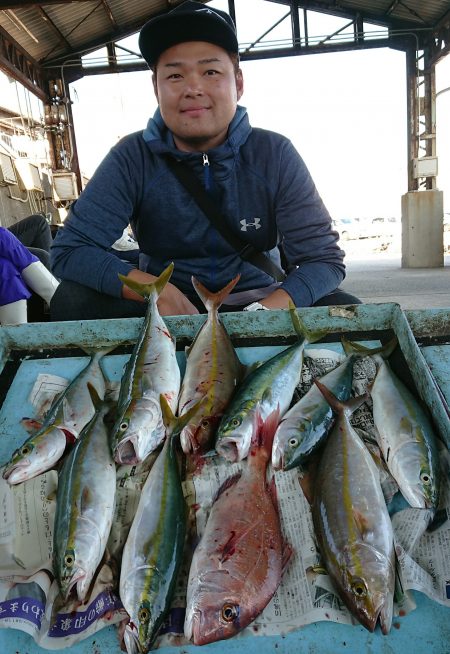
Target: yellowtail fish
(69, 414)
(213, 371)
(84, 506)
(238, 563)
(304, 428)
(352, 523)
(153, 551)
(265, 389)
(151, 370)
(405, 434)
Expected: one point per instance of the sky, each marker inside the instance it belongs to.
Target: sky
(345, 112)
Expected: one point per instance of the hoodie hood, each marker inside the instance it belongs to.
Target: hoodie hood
(159, 138)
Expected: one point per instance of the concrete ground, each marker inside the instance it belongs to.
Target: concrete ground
(374, 274)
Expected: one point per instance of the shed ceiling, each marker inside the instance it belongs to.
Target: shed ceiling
(46, 34)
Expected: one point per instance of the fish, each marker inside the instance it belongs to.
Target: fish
(264, 389)
(405, 434)
(70, 412)
(352, 523)
(153, 551)
(152, 369)
(238, 563)
(306, 425)
(213, 370)
(84, 506)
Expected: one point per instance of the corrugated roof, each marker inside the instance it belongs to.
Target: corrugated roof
(53, 30)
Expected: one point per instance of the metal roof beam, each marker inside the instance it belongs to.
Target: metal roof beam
(110, 15)
(4, 4)
(19, 65)
(52, 25)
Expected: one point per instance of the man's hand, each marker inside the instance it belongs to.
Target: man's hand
(279, 299)
(171, 302)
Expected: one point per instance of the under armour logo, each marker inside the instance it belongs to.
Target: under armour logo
(256, 224)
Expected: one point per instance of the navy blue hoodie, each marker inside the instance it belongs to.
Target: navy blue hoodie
(261, 185)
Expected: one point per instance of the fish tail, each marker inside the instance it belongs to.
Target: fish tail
(300, 328)
(212, 301)
(338, 406)
(350, 347)
(146, 290)
(173, 424)
(95, 352)
(264, 432)
(96, 399)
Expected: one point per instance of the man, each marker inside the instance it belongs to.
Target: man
(256, 178)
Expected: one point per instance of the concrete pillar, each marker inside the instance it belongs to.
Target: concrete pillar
(422, 229)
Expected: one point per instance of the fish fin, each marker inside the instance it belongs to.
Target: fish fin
(227, 484)
(99, 353)
(173, 424)
(146, 290)
(212, 301)
(361, 522)
(264, 431)
(31, 425)
(351, 347)
(85, 498)
(96, 399)
(301, 329)
(349, 406)
(251, 367)
(71, 436)
(437, 519)
(266, 396)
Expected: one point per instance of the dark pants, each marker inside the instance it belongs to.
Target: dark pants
(73, 301)
(34, 232)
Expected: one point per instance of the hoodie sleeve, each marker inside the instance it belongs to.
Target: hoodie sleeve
(309, 242)
(81, 251)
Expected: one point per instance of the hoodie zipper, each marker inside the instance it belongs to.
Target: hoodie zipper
(206, 172)
(209, 189)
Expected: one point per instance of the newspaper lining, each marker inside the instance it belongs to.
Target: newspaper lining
(29, 595)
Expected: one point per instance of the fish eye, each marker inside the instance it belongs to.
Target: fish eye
(143, 615)
(123, 426)
(236, 422)
(229, 612)
(293, 442)
(359, 588)
(26, 449)
(69, 559)
(425, 478)
(204, 424)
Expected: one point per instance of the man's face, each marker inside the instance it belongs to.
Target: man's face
(197, 89)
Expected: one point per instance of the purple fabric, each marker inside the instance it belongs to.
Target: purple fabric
(12, 288)
(14, 257)
(13, 250)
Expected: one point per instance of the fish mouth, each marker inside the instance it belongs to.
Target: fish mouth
(78, 581)
(126, 453)
(229, 449)
(131, 639)
(16, 472)
(188, 441)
